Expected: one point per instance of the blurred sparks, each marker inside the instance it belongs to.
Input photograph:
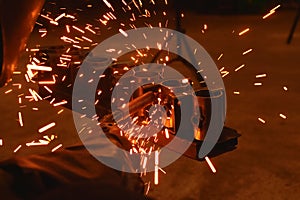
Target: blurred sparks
(83, 37)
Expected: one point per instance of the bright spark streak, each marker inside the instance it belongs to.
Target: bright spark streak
(244, 31)
(43, 129)
(68, 28)
(39, 68)
(246, 52)
(35, 95)
(78, 29)
(8, 91)
(123, 32)
(272, 11)
(59, 112)
(283, 116)
(40, 143)
(60, 103)
(237, 93)
(269, 14)
(18, 148)
(89, 29)
(220, 56)
(261, 120)
(156, 168)
(213, 169)
(48, 89)
(240, 67)
(258, 84)
(261, 75)
(59, 17)
(57, 147)
(87, 39)
(108, 4)
(1, 142)
(167, 133)
(20, 119)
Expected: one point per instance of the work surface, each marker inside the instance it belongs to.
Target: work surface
(265, 164)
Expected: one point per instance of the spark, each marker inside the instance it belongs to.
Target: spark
(16, 72)
(39, 68)
(167, 133)
(220, 56)
(123, 32)
(271, 12)
(48, 126)
(1, 142)
(237, 93)
(46, 17)
(18, 148)
(285, 88)
(240, 67)
(60, 103)
(68, 28)
(282, 116)
(156, 168)
(213, 169)
(246, 52)
(60, 16)
(57, 147)
(163, 171)
(108, 4)
(77, 46)
(78, 29)
(20, 119)
(59, 112)
(87, 39)
(90, 30)
(70, 16)
(244, 31)
(48, 89)
(8, 91)
(258, 84)
(35, 95)
(47, 82)
(261, 75)
(52, 100)
(261, 120)
(225, 74)
(40, 143)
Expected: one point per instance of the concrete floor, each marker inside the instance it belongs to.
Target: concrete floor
(265, 165)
